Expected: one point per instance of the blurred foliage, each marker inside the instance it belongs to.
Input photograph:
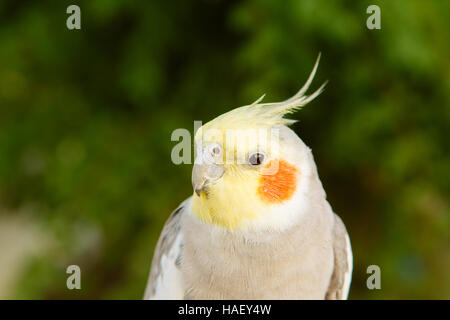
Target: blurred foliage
(86, 118)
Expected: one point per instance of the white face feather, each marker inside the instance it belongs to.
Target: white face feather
(279, 217)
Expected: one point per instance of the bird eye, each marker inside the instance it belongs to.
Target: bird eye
(215, 149)
(256, 158)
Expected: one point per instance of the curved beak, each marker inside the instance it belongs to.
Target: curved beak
(205, 174)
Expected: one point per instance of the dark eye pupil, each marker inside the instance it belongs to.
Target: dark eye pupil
(256, 159)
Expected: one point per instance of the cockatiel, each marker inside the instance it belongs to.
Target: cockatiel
(258, 225)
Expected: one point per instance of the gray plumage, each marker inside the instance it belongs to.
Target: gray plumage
(247, 238)
(310, 260)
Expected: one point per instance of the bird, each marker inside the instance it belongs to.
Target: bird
(258, 224)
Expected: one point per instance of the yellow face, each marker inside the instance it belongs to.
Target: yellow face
(229, 201)
(237, 178)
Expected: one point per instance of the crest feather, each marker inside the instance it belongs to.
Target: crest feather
(266, 114)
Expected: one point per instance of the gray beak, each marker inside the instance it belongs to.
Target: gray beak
(205, 174)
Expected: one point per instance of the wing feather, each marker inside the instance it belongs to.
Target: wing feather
(165, 280)
(343, 263)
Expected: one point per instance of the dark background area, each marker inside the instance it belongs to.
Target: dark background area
(86, 117)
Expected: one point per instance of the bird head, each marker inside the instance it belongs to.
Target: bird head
(251, 171)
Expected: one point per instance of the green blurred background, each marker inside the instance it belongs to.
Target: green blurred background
(86, 118)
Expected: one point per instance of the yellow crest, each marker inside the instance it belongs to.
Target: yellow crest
(264, 114)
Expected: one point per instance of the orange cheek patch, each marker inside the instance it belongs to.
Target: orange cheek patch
(279, 185)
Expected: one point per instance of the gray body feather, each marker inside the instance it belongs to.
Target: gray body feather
(311, 260)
